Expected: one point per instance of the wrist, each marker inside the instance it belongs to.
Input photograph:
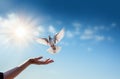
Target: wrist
(30, 61)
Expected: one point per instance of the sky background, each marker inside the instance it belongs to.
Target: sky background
(90, 47)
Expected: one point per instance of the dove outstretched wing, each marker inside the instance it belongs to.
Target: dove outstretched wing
(43, 41)
(59, 36)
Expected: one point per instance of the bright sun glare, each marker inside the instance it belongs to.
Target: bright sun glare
(18, 30)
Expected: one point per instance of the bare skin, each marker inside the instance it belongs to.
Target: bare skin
(11, 74)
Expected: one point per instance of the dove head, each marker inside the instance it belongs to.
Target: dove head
(49, 37)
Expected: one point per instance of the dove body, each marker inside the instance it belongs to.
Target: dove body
(52, 42)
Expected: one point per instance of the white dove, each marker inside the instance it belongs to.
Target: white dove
(52, 42)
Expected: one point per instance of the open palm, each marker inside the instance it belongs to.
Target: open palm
(38, 61)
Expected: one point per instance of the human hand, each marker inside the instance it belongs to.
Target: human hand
(38, 61)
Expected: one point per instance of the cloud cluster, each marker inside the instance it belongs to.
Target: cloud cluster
(90, 34)
(95, 33)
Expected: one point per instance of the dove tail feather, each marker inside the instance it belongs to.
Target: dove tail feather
(50, 50)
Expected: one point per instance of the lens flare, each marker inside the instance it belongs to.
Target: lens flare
(18, 30)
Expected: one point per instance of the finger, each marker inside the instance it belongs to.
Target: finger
(47, 60)
(39, 58)
(52, 60)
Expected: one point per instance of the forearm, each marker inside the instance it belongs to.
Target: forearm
(10, 74)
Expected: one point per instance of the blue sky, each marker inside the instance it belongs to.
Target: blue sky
(90, 48)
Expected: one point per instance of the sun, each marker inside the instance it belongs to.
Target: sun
(18, 30)
(21, 32)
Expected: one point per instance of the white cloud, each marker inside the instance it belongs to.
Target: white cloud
(77, 28)
(96, 28)
(0, 18)
(69, 34)
(113, 24)
(12, 15)
(51, 29)
(90, 34)
(110, 38)
(99, 38)
(1, 21)
(41, 29)
(102, 27)
(105, 28)
(87, 34)
(86, 37)
(10, 21)
(77, 32)
(76, 24)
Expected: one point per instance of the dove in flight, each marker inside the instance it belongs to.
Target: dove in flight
(52, 42)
